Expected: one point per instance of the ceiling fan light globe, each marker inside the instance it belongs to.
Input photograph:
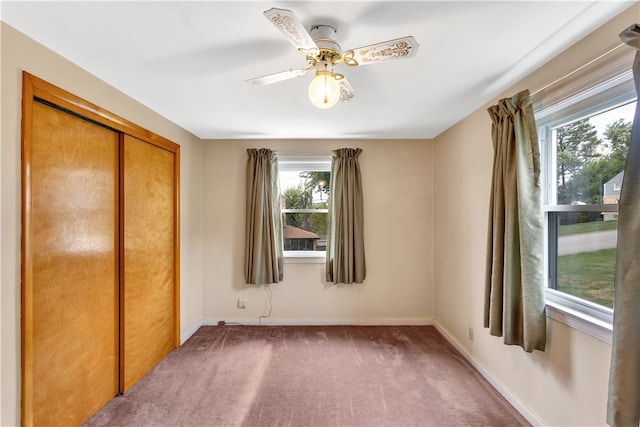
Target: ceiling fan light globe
(324, 90)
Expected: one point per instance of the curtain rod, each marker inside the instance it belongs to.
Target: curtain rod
(569, 74)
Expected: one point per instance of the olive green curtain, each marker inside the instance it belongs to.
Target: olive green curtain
(514, 287)
(623, 408)
(345, 240)
(263, 250)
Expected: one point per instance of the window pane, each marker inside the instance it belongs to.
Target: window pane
(588, 159)
(304, 189)
(305, 231)
(589, 156)
(586, 255)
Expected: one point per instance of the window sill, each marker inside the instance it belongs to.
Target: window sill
(583, 322)
(304, 257)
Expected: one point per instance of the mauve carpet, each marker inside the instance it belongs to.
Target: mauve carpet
(312, 376)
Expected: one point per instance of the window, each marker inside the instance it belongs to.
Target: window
(304, 192)
(584, 131)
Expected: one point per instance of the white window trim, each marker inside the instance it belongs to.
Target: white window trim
(310, 161)
(596, 321)
(608, 81)
(316, 162)
(305, 257)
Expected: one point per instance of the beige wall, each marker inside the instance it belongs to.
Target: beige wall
(566, 385)
(398, 203)
(21, 53)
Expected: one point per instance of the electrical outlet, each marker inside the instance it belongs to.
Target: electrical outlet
(242, 303)
(470, 334)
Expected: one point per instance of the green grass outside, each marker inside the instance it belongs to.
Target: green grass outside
(588, 275)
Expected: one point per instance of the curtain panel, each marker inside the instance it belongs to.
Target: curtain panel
(345, 241)
(514, 286)
(263, 250)
(623, 408)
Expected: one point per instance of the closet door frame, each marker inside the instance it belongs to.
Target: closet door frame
(34, 89)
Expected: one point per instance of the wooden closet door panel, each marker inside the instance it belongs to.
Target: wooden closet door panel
(73, 213)
(149, 257)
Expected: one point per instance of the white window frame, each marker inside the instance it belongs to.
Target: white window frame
(603, 84)
(313, 162)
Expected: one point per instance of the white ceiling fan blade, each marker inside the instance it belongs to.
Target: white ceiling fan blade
(276, 77)
(403, 47)
(346, 91)
(291, 27)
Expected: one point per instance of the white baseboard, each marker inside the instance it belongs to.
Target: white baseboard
(269, 321)
(185, 335)
(502, 389)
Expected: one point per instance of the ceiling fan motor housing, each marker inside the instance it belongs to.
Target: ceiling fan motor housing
(325, 38)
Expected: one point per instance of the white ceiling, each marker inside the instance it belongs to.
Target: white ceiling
(188, 61)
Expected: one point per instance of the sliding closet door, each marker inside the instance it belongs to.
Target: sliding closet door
(100, 254)
(70, 279)
(150, 304)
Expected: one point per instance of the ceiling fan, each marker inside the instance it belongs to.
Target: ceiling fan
(322, 52)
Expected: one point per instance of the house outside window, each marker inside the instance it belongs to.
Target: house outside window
(584, 128)
(304, 191)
